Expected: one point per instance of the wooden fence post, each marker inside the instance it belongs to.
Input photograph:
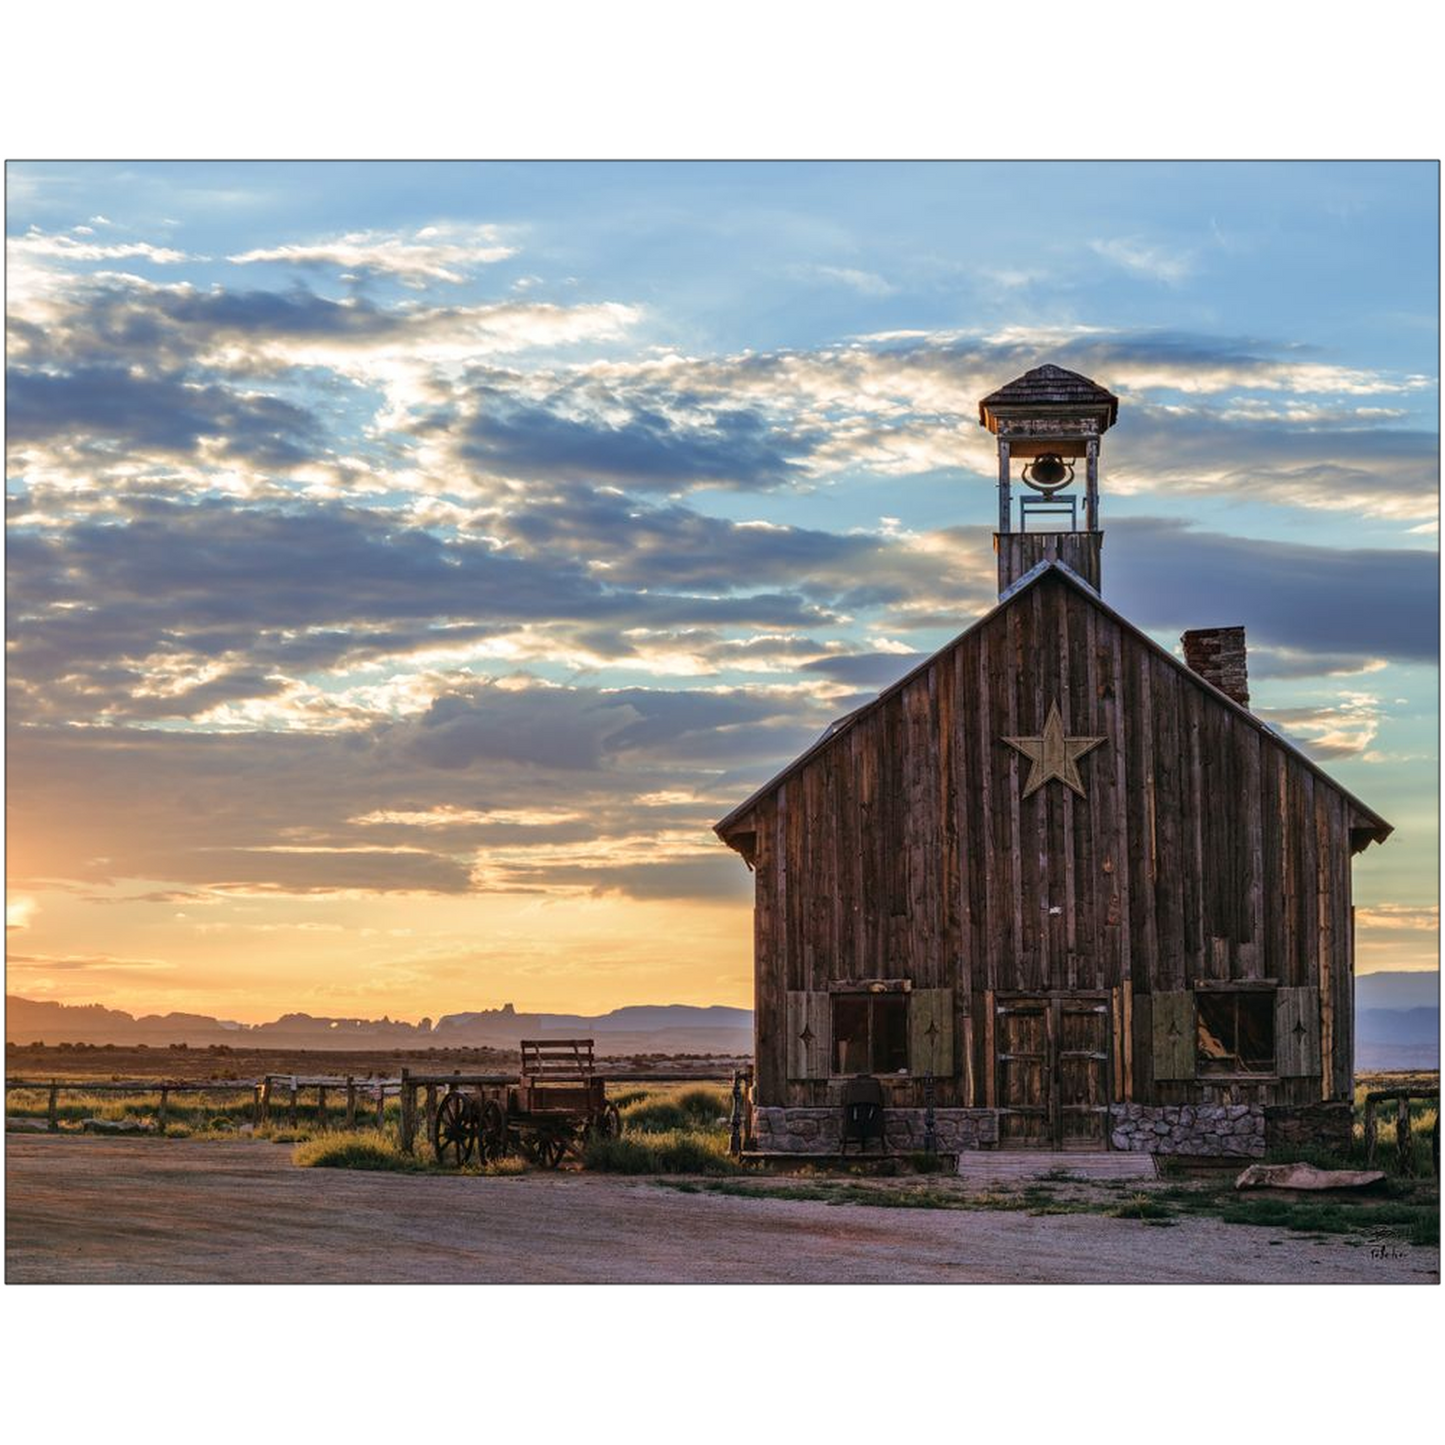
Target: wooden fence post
(1403, 1141)
(266, 1101)
(1369, 1131)
(292, 1102)
(431, 1111)
(350, 1102)
(161, 1113)
(735, 1120)
(255, 1106)
(380, 1104)
(320, 1106)
(52, 1109)
(408, 1112)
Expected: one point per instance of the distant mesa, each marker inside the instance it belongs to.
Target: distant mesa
(645, 1028)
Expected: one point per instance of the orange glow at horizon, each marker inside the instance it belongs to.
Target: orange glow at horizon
(405, 956)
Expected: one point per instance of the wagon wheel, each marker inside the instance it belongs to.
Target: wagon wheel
(547, 1148)
(607, 1123)
(491, 1133)
(456, 1130)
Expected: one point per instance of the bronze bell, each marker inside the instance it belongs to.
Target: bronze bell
(1048, 473)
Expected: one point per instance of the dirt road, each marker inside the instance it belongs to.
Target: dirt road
(129, 1210)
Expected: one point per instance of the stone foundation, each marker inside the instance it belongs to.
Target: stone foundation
(820, 1131)
(1321, 1126)
(1197, 1129)
(1210, 1130)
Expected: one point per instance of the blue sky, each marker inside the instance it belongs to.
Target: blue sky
(409, 562)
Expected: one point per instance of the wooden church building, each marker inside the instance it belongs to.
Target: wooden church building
(1057, 888)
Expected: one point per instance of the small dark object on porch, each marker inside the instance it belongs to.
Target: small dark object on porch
(862, 1112)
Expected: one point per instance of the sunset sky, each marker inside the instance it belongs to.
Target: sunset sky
(407, 564)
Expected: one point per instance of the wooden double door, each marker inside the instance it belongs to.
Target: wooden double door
(1054, 1070)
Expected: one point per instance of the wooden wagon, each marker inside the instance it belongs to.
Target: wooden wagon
(555, 1107)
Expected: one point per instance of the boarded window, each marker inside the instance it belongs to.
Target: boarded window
(1235, 1032)
(870, 1033)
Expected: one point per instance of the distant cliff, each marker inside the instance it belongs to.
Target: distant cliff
(1397, 1021)
(647, 1028)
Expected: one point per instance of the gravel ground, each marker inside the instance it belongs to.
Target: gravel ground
(99, 1210)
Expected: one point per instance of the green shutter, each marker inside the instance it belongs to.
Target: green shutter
(1297, 1032)
(809, 1035)
(1174, 1030)
(930, 1032)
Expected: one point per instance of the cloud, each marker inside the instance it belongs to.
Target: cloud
(163, 416)
(1409, 917)
(1288, 663)
(38, 245)
(126, 321)
(83, 963)
(1397, 936)
(637, 444)
(19, 911)
(566, 731)
(1163, 574)
(876, 670)
(154, 608)
(1144, 259)
(713, 880)
(1341, 730)
(1380, 472)
(865, 283)
(450, 816)
(433, 253)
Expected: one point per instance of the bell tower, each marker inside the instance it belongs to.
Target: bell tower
(1048, 423)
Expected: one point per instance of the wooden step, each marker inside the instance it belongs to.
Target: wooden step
(980, 1166)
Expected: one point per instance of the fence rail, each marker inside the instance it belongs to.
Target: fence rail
(405, 1087)
(1403, 1142)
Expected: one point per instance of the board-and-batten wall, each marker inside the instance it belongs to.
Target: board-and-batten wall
(904, 849)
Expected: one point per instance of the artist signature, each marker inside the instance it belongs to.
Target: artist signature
(1386, 1251)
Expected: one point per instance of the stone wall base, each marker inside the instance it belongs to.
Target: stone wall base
(1201, 1130)
(819, 1131)
(1208, 1130)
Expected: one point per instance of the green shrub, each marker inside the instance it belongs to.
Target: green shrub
(1139, 1206)
(628, 1097)
(924, 1163)
(705, 1106)
(369, 1150)
(667, 1108)
(653, 1116)
(502, 1168)
(675, 1151)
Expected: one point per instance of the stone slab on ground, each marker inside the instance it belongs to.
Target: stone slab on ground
(1306, 1177)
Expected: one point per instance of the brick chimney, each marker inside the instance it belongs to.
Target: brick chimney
(1217, 654)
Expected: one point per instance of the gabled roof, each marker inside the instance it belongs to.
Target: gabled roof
(1045, 387)
(1370, 821)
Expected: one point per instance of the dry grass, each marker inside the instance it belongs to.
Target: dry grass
(662, 1151)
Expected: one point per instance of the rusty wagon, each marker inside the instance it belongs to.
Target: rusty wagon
(556, 1106)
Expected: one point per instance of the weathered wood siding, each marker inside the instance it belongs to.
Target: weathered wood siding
(904, 850)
